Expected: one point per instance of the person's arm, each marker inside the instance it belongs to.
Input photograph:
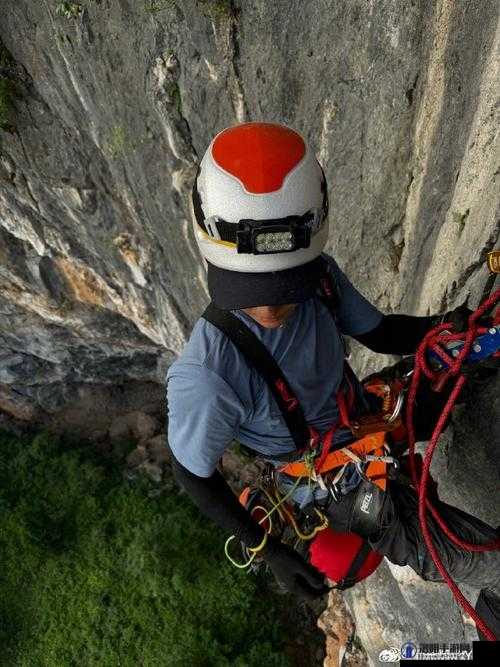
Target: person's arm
(402, 334)
(215, 500)
(387, 334)
(204, 413)
(397, 334)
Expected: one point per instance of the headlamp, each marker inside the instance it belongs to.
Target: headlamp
(260, 237)
(274, 241)
(263, 237)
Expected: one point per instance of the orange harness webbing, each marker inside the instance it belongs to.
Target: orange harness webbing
(372, 444)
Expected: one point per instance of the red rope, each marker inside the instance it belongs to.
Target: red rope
(433, 340)
(327, 443)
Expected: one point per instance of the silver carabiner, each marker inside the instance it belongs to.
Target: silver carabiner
(385, 459)
(397, 408)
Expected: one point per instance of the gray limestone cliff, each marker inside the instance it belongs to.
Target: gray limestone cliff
(106, 107)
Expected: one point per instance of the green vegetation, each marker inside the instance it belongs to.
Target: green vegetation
(6, 59)
(153, 6)
(174, 93)
(101, 572)
(117, 143)
(216, 9)
(460, 219)
(7, 88)
(70, 10)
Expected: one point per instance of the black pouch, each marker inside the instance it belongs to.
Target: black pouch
(367, 509)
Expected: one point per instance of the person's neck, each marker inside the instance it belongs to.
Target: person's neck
(270, 317)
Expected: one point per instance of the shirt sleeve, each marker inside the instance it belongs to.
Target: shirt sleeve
(356, 315)
(204, 414)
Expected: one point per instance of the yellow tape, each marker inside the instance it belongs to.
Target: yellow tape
(229, 244)
(493, 259)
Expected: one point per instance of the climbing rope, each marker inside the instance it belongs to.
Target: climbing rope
(434, 340)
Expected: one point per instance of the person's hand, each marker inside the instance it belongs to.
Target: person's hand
(478, 371)
(459, 317)
(396, 371)
(292, 571)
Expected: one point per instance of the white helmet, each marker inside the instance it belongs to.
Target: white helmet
(260, 206)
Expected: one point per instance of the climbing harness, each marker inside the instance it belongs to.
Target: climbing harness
(344, 558)
(262, 503)
(371, 449)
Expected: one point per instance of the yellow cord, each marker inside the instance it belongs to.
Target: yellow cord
(277, 503)
(269, 529)
(242, 566)
(301, 535)
(314, 532)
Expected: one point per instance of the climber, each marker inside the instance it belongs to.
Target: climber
(260, 215)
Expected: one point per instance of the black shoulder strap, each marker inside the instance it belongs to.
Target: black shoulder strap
(355, 566)
(329, 293)
(258, 356)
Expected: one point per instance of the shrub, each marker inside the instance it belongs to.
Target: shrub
(153, 6)
(97, 571)
(69, 10)
(216, 9)
(117, 143)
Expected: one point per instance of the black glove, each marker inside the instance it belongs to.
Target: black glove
(480, 372)
(360, 511)
(395, 371)
(459, 317)
(292, 571)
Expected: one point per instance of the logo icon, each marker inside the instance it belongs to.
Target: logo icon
(389, 655)
(408, 650)
(365, 505)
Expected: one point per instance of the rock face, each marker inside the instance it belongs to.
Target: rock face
(106, 107)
